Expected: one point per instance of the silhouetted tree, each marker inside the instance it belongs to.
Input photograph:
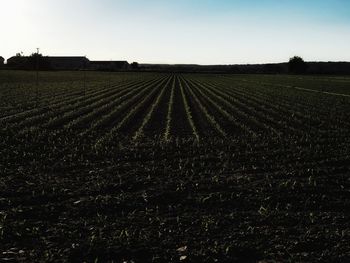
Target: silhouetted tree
(297, 65)
(134, 65)
(38, 61)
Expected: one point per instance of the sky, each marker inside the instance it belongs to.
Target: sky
(178, 31)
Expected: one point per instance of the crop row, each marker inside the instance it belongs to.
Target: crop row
(171, 106)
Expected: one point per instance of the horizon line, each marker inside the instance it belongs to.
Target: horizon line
(187, 64)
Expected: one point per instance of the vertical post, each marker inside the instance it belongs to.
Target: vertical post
(84, 82)
(37, 77)
(110, 74)
(84, 77)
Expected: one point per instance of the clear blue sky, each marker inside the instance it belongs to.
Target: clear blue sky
(179, 31)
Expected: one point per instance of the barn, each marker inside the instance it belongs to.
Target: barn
(68, 63)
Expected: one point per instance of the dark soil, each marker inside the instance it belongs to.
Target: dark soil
(219, 200)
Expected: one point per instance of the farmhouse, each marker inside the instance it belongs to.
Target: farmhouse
(109, 65)
(1, 61)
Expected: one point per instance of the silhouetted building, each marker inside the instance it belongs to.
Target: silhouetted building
(17, 62)
(54, 63)
(68, 63)
(109, 65)
(2, 60)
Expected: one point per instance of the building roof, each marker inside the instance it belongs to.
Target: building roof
(17, 59)
(75, 58)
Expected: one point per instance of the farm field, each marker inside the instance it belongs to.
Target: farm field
(155, 167)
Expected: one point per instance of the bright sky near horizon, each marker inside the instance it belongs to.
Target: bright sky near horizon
(178, 31)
